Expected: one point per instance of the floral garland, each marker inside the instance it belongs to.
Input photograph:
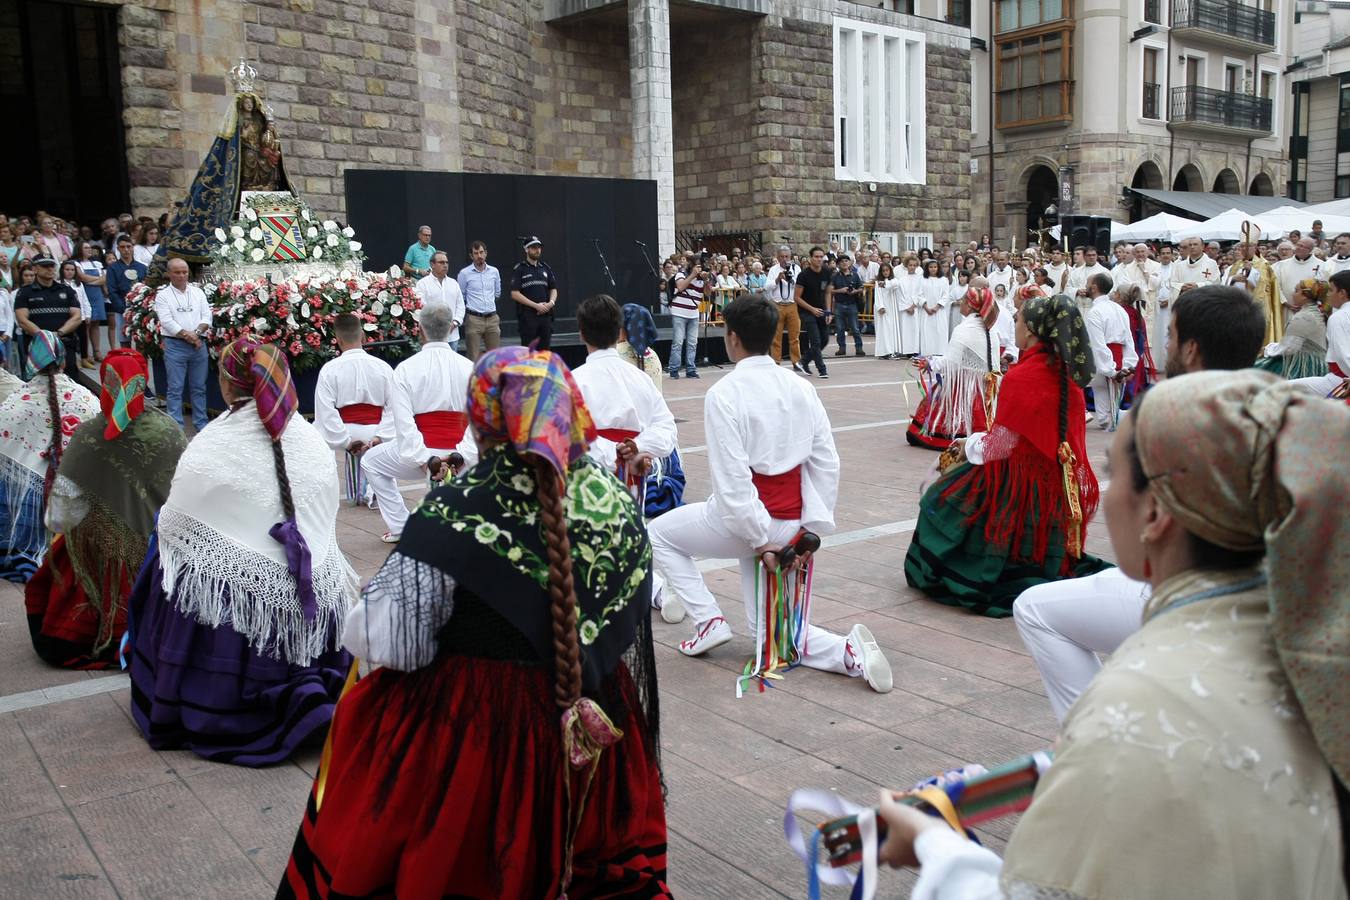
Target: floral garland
(297, 314)
(323, 241)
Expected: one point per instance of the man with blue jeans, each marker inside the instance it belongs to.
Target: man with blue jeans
(846, 290)
(689, 292)
(184, 320)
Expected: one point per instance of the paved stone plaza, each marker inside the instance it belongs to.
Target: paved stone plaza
(88, 810)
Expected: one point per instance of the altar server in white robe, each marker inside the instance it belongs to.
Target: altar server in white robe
(886, 312)
(351, 404)
(1161, 319)
(1113, 353)
(442, 287)
(1057, 270)
(1077, 278)
(427, 404)
(908, 298)
(934, 324)
(1338, 340)
(774, 470)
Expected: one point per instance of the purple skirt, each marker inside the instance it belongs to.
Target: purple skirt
(207, 690)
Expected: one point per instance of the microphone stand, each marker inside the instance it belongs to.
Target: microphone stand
(605, 265)
(651, 267)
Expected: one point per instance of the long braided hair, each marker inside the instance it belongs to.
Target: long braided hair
(561, 590)
(54, 442)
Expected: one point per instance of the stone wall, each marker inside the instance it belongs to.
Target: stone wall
(583, 117)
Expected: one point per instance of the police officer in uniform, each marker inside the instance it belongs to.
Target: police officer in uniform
(535, 290)
(48, 305)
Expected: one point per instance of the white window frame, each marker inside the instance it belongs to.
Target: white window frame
(1163, 99)
(886, 240)
(897, 150)
(917, 240)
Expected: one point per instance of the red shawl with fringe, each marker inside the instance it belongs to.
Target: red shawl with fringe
(1019, 492)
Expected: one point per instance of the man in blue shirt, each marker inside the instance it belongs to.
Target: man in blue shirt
(417, 261)
(481, 285)
(123, 275)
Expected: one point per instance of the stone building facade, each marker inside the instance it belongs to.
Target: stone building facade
(735, 101)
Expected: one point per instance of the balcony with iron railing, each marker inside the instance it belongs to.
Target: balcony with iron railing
(1221, 113)
(1152, 101)
(1226, 23)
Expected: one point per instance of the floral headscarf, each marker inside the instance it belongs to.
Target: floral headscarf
(640, 327)
(123, 375)
(1243, 460)
(1058, 322)
(527, 398)
(45, 349)
(261, 372)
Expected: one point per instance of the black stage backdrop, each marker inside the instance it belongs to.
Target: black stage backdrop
(568, 214)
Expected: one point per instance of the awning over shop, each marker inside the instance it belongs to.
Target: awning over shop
(1206, 206)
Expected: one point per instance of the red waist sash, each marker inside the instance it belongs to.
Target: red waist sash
(361, 413)
(617, 435)
(1335, 370)
(780, 494)
(1117, 353)
(443, 429)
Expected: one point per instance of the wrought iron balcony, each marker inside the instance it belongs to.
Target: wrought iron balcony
(1152, 101)
(1224, 22)
(1219, 112)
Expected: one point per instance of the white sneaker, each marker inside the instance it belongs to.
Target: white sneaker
(713, 633)
(862, 651)
(672, 608)
(390, 538)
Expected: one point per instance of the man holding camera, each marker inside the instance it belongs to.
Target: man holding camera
(778, 286)
(690, 289)
(845, 292)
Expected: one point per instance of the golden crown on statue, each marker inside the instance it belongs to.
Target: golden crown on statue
(243, 76)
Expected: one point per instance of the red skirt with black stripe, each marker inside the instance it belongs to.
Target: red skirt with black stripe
(448, 782)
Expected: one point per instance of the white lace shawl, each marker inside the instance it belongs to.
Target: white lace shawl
(963, 368)
(214, 543)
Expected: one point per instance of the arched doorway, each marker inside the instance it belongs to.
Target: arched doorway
(1188, 179)
(1147, 177)
(1042, 192)
(1227, 183)
(1262, 186)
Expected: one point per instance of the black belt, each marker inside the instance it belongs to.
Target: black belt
(481, 315)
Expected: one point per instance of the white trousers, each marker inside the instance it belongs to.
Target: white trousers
(1321, 385)
(384, 468)
(358, 433)
(1105, 399)
(688, 533)
(1065, 624)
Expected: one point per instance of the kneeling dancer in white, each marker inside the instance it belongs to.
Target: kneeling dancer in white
(774, 472)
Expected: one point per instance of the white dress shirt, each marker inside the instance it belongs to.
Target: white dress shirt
(1199, 272)
(444, 290)
(1338, 338)
(1108, 323)
(764, 419)
(775, 291)
(434, 379)
(353, 377)
(620, 395)
(181, 311)
(1146, 276)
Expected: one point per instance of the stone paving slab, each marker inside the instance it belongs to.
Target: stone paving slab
(87, 810)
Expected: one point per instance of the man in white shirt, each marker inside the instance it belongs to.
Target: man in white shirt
(184, 321)
(439, 287)
(1193, 269)
(1339, 260)
(1077, 280)
(774, 472)
(1113, 353)
(866, 266)
(1338, 343)
(351, 404)
(1001, 273)
(1158, 339)
(779, 286)
(1057, 270)
(427, 405)
(1066, 624)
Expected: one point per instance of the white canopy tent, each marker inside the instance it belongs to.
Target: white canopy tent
(1330, 208)
(1226, 226)
(1158, 227)
(1289, 218)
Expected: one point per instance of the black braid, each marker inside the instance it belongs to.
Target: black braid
(284, 481)
(1063, 400)
(54, 444)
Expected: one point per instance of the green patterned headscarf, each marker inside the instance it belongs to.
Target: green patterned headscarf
(1057, 322)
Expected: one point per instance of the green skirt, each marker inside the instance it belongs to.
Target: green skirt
(951, 562)
(1294, 365)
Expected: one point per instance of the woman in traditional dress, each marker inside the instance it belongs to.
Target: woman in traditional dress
(488, 755)
(36, 424)
(934, 294)
(1132, 299)
(1302, 352)
(1012, 506)
(665, 481)
(1207, 757)
(113, 479)
(886, 312)
(958, 400)
(235, 617)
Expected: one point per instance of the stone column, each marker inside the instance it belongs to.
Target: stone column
(653, 129)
